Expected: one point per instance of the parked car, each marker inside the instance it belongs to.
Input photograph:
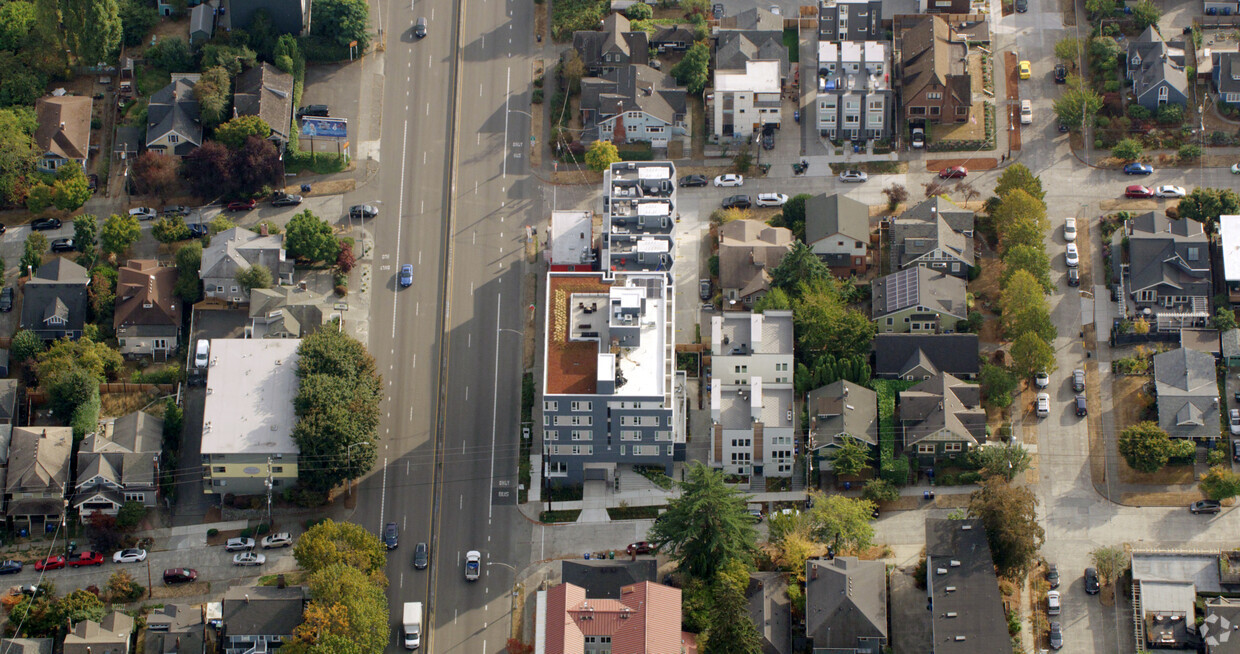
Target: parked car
(1052, 575)
(694, 180)
(1044, 405)
(63, 245)
(1078, 380)
(131, 555)
(390, 536)
(176, 210)
(1235, 169)
(406, 275)
(1072, 256)
(92, 182)
(717, 11)
(704, 289)
(919, 137)
(320, 110)
(1074, 277)
(1026, 112)
(1082, 408)
(640, 547)
(249, 558)
(854, 176)
(1233, 421)
(1056, 636)
(1042, 380)
(198, 230)
(143, 213)
(286, 201)
(1205, 506)
(10, 567)
(202, 356)
(1138, 168)
(241, 205)
(43, 224)
(281, 539)
(87, 557)
(730, 180)
(772, 199)
(737, 202)
(1235, 449)
(1026, 71)
(6, 299)
(1138, 191)
(54, 562)
(954, 172)
(239, 544)
(1069, 229)
(473, 565)
(421, 556)
(180, 575)
(1052, 602)
(1169, 191)
(1021, 6)
(768, 137)
(1061, 74)
(363, 211)
(1091, 581)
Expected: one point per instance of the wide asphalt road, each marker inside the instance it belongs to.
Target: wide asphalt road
(455, 199)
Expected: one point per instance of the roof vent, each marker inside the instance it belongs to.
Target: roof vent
(959, 639)
(940, 571)
(950, 589)
(966, 527)
(951, 614)
(955, 564)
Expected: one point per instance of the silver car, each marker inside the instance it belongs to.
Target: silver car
(249, 558)
(853, 176)
(239, 544)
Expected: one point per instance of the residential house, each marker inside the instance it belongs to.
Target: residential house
(1225, 72)
(839, 411)
(771, 610)
(267, 92)
(646, 618)
(202, 21)
(1229, 237)
(752, 35)
(1229, 346)
(1187, 391)
(753, 19)
(8, 398)
(935, 84)
(751, 404)
(614, 47)
(922, 356)
(855, 99)
(850, 20)
(147, 317)
(173, 125)
(746, 100)
(108, 636)
(672, 38)
(1218, 629)
(962, 591)
(119, 464)
(837, 229)
(63, 133)
(175, 629)
(260, 618)
(934, 233)
(1166, 588)
(632, 103)
(234, 250)
(918, 300)
(288, 312)
(287, 16)
(26, 645)
(247, 419)
(846, 605)
(37, 477)
(941, 417)
(605, 578)
(1166, 276)
(748, 251)
(54, 300)
(570, 244)
(1156, 70)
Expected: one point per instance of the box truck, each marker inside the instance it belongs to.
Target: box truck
(413, 625)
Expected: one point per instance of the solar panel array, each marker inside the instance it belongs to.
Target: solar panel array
(902, 289)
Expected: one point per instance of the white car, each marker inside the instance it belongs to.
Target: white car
(1052, 602)
(1044, 405)
(1069, 229)
(239, 544)
(853, 176)
(771, 199)
(1042, 380)
(1026, 112)
(730, 180)
(473, 565)
(133, 555)
(249, 558)
(1170, 191)
(1233, 421)
(1072, 257)
(143, 213)
(282, 539)
(1235, 169)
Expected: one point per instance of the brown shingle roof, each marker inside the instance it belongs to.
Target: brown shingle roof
(266, 92)
(64, 126)
(932, 55)
(144, 295)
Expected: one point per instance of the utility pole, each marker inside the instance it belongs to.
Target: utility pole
(149, 585)
(269, 487)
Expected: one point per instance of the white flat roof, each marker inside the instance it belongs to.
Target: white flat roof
(251, 384)
(758, 77)
(571, 237)
(1229, 231)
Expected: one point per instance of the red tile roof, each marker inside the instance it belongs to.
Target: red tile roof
(645, 620)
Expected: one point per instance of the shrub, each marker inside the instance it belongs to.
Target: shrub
(130, 514)
(213, 532)
(247, 533)
(1136, 111)
(1190, 151)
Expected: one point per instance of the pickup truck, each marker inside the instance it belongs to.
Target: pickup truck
(473, 565)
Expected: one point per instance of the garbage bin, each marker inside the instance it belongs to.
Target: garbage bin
(856, 148)
(611, 554)
(587, 556)
(305, 188)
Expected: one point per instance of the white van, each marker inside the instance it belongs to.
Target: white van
(202, 353)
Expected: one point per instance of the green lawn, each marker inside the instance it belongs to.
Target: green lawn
(793, 42)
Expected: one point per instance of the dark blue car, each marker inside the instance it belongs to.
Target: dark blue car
(1136, 168)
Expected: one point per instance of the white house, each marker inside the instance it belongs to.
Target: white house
(746, 100)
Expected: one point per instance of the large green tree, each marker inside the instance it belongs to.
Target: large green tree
(792, 216)
(1005, 461)
(256, 276)
(137, 20)
(331, 543)
(119, 233)
(997, 384)
(18, 152)
(310, 238)
(844, 522)
(85, 232)
(693, 71)
(1010, 516)
(1024, 308)
(1220, 483)
(1205, 205)
(1145, 446)
(345, 606)
(235, 132)
(79, 605)
(170, 229)
(1077, 104)
(1031, 355)
(342, 21)
(213, 91)
(1068, 49)
(65, 356)
(189, 260)
(1021, 220)
(16, 21)
(1018, 176)
(71, 189)
(707, 526)
(851, 457)
(799, 265)
(1030, 258)
(731, 629)
(823, 324)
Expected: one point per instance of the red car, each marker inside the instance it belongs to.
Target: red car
(86, 558)
(242, 205)
(55, 562)
(954, 172)
(640, 548)
(1138, 191)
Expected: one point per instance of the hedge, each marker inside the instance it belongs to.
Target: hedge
(894, 470)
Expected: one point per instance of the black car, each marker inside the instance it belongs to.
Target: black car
(1052, 575)
(62, 245)
(1022, 6)
(286, 201)
(693, 180)
(421, 556)
(389, 535)
(6, 299)
(1205, 506)
(176, 210)
(179, 575)
(1056, 636)
(1061, 73)
(363, 211)
(717, 11)
(92, 181)
(314, 110)
(1074, 277)
(737, 202)
(768, 137)
(10, 567)
(44, 224)
(1091, 581)
(1082, 409)
(198, 230)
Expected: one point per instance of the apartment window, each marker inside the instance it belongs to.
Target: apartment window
(851, 119)
(630, 435)
(742, 369)
(583, 449)
(581, 435)
(1193, 253)
(624, 450)
(663, 435)
(925, 448)
(669, 421)
(671, 449)
(551, 405)
(582, 420)
(582, 406)
(953, 447)
(551, 435)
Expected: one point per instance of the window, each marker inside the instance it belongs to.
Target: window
(839, 243)
(551, 406)
(135, 497)
(582, 406)
(219, 289)
(1163, 94)
(551, 435)
(583, 449)
(953, 447)
(159, 344)
(218, 469)
(630, 435)
(582, 435)
(1147, 296)
(234, 290)
(1193, 253)
(934, 111)
(916, 111)
(925, 448)
(173, 138)
(890, 321)
(742, 369)
(934, 96)
(275, 470)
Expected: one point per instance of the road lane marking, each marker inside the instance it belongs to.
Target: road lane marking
(461, 504)
(494, 399)
(480, 90)
(507, 95)
(466, 393)
(400, 208)
(428, 108)
(469, 338)
(383, 493)
(471, 288)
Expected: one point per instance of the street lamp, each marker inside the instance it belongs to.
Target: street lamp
(512, 600)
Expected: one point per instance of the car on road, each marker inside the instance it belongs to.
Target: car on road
(1082, 407)
(640, 547)
(768, 137)
(1061, 74)
(1074, 277)
(85, 558)
(281, 539)
(919, 137)
(772, 199)
(1042, 380)
(406, 275)
(954, 172)
(1056, 636)
(249, 558)
(143, 213)
(238, 544)
(717, 11)
(241, 205)
(1091, 581)
(737, 202)
(1169, 191)
(421, 556)
(1235, 449)
(1233, 421)
(1069, 229)
(694, 180)
(1052, 575)
(198, 230)
(1205, 506)
(704, 289)
(1044, 405)
(853, 176)
(363, 211)
(730, 179)
(286, 201)
(419, 28)
(1138, 168)
(63, 245)
(1052, 602)
(54, 562)
(1138, 191)
(1078, 380)
(1072, 256)
(1021, 6)
(1026, 112)
(179, 575)
(10, 567)
(176, 210)
(390, 536)
(132, 555)
(43, 224)
(473, 565)
(1026, 71)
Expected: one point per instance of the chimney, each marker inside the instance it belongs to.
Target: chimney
(280, 582)
(62, 126)
(262, 229)
(247, 598)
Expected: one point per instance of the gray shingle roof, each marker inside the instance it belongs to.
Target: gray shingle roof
(603, 579)
(1187, 391)
(263, 610)
(919, 286)
(58, 288)
(826, 215)
(173, 109)
(845, 600)
(843, 407)
(770, 610)
(942, 408)
(1161, 252)
(896, 354)
(967, 614)
(267, 92)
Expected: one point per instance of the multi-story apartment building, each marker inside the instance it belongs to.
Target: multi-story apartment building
(752, 393)
(850, 20)
(638, 217)
(854, 97)
(747, 100)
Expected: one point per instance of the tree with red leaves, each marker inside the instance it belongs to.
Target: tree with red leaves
(209, 171)
(156, 174)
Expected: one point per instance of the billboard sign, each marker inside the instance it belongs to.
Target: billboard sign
(334, 128)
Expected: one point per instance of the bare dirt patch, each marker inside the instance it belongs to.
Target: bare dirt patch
(953, 501)
(1129, 406)
(1068, 9)
(571, 175)
(1182, 474)
(119, 404)
(1179, 498)
(181, 590)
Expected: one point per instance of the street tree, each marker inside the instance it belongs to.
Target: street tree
(343, 21)
(119, 233)
(896, 194)
(693, 71)
(1110, 562)
(71, 189)
(170, 229)
(1068, 49)
(1021, 220)
(188, 286)
(345, 603)
(1024, 308)
(601, 155)
(572, 70)
(1018, 176)
(1031, 355)
(155, 173)
(731, 629)
(1220, 483)
(310, 238)
(707, 526)
(40, 197)
(85, 233)
(843, 522)
(851, 457)
(1099, 8)
(32, 253)
(1009, 514)
(1030, 258)
(997, 385)
(233, 134)
(1145, 446)
(255, 276)
(1205, 205)
(1006, 461)
(1077, 104)
(332, 543)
